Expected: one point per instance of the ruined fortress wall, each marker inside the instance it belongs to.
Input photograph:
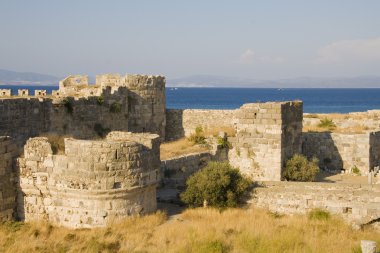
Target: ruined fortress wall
(22, 118)
(374, 150)
(267, 135)
(175, 171)
(147, 104)
(337, 151)
(89, 117)
(358, 204)
(8, 151)
(292, 114)
(180, 123)
(90, 184)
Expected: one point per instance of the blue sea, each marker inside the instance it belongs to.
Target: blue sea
(315, 100)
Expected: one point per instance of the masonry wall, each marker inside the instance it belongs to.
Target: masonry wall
(357, 204)
(175, 171)
(147, 104)
(180, 123)
(8, 152)
(22, 118)
(90, 184)
(374, 150)
(337, 151)
(131, 103)
(267, 135)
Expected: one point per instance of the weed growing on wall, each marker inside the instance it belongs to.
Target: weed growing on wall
(218, 184)
(298, 168)
(100, 100)
(115, 107)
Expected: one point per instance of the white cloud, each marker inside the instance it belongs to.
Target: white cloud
(350, 51)
(247, 57)
(272, 60)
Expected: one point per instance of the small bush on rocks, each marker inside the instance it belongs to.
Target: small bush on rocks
(327, 123)
(218, 184)
(298, 168)
(198, 137)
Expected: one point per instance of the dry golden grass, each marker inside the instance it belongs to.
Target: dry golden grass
(358, 129)
(336, 116)
(197, 230)
(179, 147)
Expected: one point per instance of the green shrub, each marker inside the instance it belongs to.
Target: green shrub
(100, 130)
(223, 142)
(115, 107)
(198, 137)
(356, 170)
(318, 214)
(298, 168)
(327, 123)
(68, 105)
(218, 183)
(100, 100)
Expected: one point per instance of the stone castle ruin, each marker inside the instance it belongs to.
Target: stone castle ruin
(105, 162)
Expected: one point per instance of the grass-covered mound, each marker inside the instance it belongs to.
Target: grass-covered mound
(196, 230)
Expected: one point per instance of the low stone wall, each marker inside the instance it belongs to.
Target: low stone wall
(357, 204)
(364, 120)
(174, 172)
(8, 151)
(337, 151)
(180, 123)
(90, 184)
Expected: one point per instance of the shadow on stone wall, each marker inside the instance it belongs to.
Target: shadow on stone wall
(174, 129)
(322, 146)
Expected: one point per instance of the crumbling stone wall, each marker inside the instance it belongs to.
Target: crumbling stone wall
(357, 204)
(175, 171)
(267, 135)
(343, 151)
(88, 111)
(180, 123)
(93, 182)
(147, 103)
(374, 150)
(8, 152)
(146, 97)
(22, 118)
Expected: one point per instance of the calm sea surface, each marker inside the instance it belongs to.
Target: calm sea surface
(315, 100)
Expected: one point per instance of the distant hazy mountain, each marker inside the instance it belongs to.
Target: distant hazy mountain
(19, 78)
(301, 82)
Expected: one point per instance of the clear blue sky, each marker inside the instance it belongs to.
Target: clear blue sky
(256, 39)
